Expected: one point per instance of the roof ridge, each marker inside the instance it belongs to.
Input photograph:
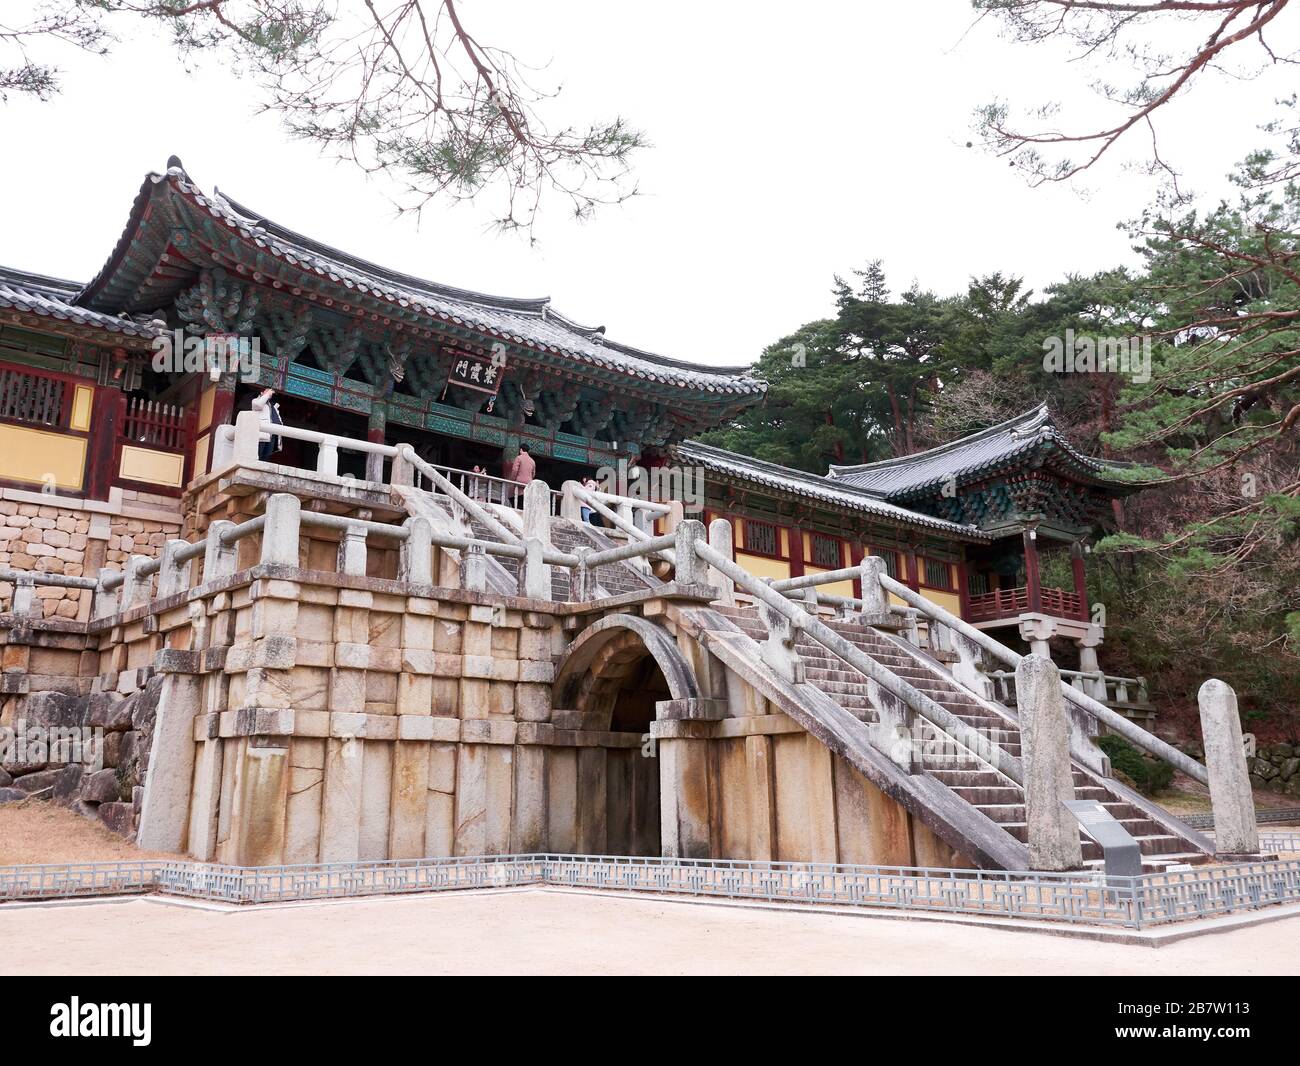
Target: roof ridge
(40, 282)
(541, 306)
(846, 493)
(786, 471)
(1040, 412)
(526, 304)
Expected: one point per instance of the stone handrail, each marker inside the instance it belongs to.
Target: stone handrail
(599, 502)
(1113, 720)
(689, 541)
(471, 506)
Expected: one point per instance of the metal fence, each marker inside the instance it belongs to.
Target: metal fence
(1087, 898)
(1277, 816)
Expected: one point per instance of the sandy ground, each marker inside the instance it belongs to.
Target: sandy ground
(34, 831)
(567, 932)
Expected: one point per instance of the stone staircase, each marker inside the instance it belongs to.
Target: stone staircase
(943, 759)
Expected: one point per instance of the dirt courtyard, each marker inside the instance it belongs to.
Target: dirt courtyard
(553, 931)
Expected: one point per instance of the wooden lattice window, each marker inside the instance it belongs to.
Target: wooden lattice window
(826, 552)
(938, 574)
(891, 561)
(979, 582)
(28, 398)
(760, 537)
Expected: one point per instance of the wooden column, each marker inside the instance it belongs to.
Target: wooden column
(857, 550)
(794, 536)
(375, 435)
(963, 587)
(1032, 579)
(108, 411)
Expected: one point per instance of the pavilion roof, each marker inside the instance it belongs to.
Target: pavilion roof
(798, 483)
(146, 271)
(52, 298)
(1026, 439)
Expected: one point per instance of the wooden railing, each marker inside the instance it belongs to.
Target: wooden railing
(1011, 603)
(159, 425)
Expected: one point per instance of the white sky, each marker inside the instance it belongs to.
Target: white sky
(790, 142)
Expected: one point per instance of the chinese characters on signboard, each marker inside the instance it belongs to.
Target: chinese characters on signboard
(478, 372)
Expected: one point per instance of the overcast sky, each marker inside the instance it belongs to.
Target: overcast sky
(790, 142)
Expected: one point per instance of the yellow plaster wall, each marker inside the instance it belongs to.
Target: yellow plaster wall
(158, 468)
(35, 456)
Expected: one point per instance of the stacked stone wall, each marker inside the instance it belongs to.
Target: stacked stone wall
(58, 535)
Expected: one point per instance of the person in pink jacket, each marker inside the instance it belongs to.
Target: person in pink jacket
(522, 470)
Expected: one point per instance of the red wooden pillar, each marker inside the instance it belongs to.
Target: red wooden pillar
(911, 561)
(963, 588)
(794, 534)
(375, 431)
(857, 553)
(223, 404)
(1080, 578)
(109, 411)
(1032, 579)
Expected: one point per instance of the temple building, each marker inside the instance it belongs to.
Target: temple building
(106, 426)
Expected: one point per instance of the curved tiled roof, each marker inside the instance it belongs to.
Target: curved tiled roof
(36, 294)
(528, 322)
(815, 487)
(967, 457)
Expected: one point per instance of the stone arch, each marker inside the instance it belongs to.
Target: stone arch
(609, 656)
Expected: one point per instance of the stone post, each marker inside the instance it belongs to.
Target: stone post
(135, 586)
(720, 540)
(689, 570)
(280, 533)
(401, 471)
(173, 577)
(352, 551)
(875, 604)
(1235, 831)
(327, 458)
(219, 560)
(105, 602)
(1038, 632)
(584, 578)
(415, 557)
(779, 651)
(1049, 779)
(534, 574)
(223, 447)
(248, 433)
(25, 604)
(1094, 686)
(675, 517)
(570, 505)
(473, 569)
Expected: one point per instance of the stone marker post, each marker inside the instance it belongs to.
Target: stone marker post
(1045, 753)
(875, 604)
(1235, 831)
(720, 540)
(690, 571)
